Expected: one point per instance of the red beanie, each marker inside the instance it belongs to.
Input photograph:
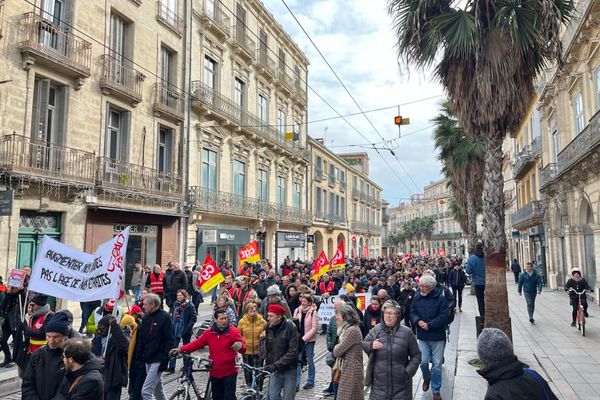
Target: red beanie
(276, 309)
(135, 309)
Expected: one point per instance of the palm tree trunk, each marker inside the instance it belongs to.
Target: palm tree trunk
(471, 221)
(496, 297)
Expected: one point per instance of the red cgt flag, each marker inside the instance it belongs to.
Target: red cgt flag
(210, 275)
(320, 266)
(249, 253)
(441, 252)
(338, 261)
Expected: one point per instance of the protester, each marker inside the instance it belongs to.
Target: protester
(308, 319)
(136, 366)
(530, 282)
(111, 345)
(241, 294)
(156, 281)
(45, 370)
(508, 378)
(516, 269)
(394, 356)
(405, 298)
(87, 309)
(429, 313)
(372, 315)
(184, 318)
(274, 296)
(34, 330)
(281, 357)
(577, 283)
(292, 297)
(332, 340)
(173, 282)
(72, 332)
(348, 354)
(193, 289)
(154, 340)
(224, 343)
(83, 372)
(10, 311)
(457, 279)
(251, 327)
(223, 303)
(476, 268)
(137, 278)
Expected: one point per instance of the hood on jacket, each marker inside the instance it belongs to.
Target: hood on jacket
(479, 253)
(373, 312)
(508, 368)
(93, 363)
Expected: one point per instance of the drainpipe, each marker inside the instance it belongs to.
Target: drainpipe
(185, 132)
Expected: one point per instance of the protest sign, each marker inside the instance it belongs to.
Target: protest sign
(70, 274)
(16, 278)
(326, 310)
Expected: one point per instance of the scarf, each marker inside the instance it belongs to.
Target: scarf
(42, 310)
(341, 330)
(576, 278)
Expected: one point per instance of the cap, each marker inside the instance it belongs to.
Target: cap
(276, 309)
(59, 323)
(273, 290)
(135, 309)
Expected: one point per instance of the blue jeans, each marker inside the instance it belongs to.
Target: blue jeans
(153, 383)
(530, 300)
(285, 380)
(432, 352)
(137, 290)
(309, 350)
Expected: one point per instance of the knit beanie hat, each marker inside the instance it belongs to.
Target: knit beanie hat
(40, 300)
(493, 346)
(59, 323)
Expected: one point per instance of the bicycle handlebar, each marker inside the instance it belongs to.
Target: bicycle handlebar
(255, 369)
(579, 293)
(206, 363)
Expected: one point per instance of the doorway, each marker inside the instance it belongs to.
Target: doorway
(141, 248)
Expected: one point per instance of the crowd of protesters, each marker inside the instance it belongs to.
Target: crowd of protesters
(266, 316)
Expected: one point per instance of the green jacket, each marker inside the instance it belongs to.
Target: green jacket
(332, 337)
(531, 284)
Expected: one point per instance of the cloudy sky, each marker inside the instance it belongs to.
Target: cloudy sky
(357, 39)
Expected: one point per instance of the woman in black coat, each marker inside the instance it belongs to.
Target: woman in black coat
(372, 315)
(184, 318)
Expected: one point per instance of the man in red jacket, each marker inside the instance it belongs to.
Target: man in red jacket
(224, 341)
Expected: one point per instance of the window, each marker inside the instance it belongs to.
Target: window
(281, 121)
(165, 149)
(263, 109)
(209, 170)
(296, 130)
(343, 208)
(49, 112)
(536, 125)
(555, 146)
(168, 11)
(297, 195)
(118, 35)
(210, 73)
(578, 112)
(263, 185)
(239, 178)
(281, 192)
(240, 93)
(262, 46)
(319, 163)
(533, 187)
(167, 66)
(297, 76)
(53, 11)
(209, 8)
(117, 134)
(331, 204)
(319, 203)
(281, 60)
(343, 176)
(597, 76)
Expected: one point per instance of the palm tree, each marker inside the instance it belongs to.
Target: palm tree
(463, 164)
(486, 55)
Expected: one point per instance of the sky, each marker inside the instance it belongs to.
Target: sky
(357, 39)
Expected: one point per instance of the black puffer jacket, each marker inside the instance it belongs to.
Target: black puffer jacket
(115, 360)
(371, 319)
(282, 345)
(43, 375)
(89, 387)
(508, 381)
(395, 364)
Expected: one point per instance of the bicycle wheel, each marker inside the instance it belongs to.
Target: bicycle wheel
(582, 324)
(181, 394)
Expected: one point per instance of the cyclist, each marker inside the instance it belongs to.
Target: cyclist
(576, 282)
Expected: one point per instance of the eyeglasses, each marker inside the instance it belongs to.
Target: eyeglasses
(390, 313)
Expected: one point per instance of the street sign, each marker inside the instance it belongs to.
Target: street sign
(6, 202)
(310, 238)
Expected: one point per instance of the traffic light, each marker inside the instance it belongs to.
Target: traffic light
(400, 120)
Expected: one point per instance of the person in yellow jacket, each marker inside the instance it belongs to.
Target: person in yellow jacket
(251, 326)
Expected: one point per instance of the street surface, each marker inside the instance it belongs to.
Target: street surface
(569, 362)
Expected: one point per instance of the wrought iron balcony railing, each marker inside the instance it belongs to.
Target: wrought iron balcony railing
(285, 79)
(44, 42)
(522, 162)
(169, 18)
(355, 193)
(548, 174)
(132, 177)
(121, 80)
(168, 101)
(581, 146)
(331, 179)
(214, 101)
(527, 216)
(22, 156)
(266, 62)
(334, 219)
(319, 175)
(215, 18)
(244, 42)
(536, 147)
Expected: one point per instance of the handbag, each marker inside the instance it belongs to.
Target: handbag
(336, 375)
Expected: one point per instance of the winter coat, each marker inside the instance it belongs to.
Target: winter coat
(219, 344)
(405, 298)
(115, 360)
(432, 309)
(530, 283)
(11, 308)
(371, 319)
(331, 333)
(136, 277)
(457, 278)
(515, 267)
(476, 267)
(43, 375)
(187, 313)
(282, 345)
(264, 305)
(508, 381)
(251, 328)
(89, 387)
(311, 323)
(178, 280)
(155, 338)
(350, 350)
(579, 286)
(395, 364)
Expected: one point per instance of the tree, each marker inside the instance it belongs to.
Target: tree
(462, 160)
(486, 55)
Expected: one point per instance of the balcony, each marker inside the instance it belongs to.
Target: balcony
(21, 156)
(331, 179)
(446, 235)
(536, 147)
(47, 44)
(343, 186)
(169, 18)
(224, 203)
(136, 178)
(168, 102)
(547, 175)
(363, 196)
(575, 26)
(580, 147)
(319, 175)
(527, 216)
(385, 217)
(207, 100)
(300, 91)
(215, 20)
(366, 227)
(243, 45)
(523, 162)
(337, 220)
(266, 64)
(285, 80)
(121, 81)
(355, 193)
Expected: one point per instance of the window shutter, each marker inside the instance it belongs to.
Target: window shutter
(39, 128)
(125, 124)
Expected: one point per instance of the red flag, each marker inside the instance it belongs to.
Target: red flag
(338, 261)
(366, 251)
(320, 266)
(442, 252)
(249, 254)
(210, 275)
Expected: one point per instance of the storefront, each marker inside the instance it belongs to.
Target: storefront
(537, 249)
(290, 244)
(221, 244)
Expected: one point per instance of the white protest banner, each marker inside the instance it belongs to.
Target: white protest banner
(70, 274)
(326, 310)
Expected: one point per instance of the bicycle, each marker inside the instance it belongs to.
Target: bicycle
(580, 315)
(186, 379)
(253, 392)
